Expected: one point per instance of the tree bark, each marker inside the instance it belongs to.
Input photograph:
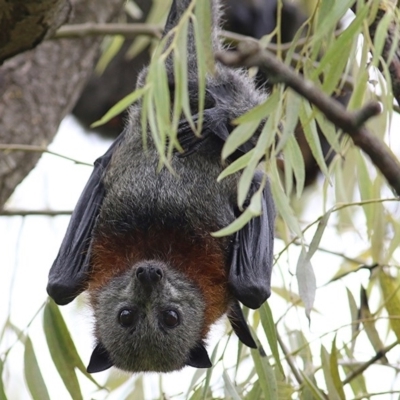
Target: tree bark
(25, 23)
(39, 87)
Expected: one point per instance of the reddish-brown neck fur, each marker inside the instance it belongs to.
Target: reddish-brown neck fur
(201, 258)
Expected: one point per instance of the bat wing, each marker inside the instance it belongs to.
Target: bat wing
(70, 270)
(251, 265)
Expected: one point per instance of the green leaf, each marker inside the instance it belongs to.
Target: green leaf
(236, 166)
(230, 388)
(293, 102)
(241, 134)
(293, 157)
(391, 293)
(62, 349)
(268, 324)
(357, 384)
(311, 133)
(369, 323)
(334, 368)
(162, 101)
(381, 35)
(114, 46)
(253, 210)
(122, 105)
(282, 202)
(265, 373)
(313, 388)
(2, 392)
(245, 181)
(206, 386)
(181, 74)
(204, 33)
(329, 23)
(325, 360)
(328, 130)
(255, 392)
(262, 110)
(355, 324)
(33, 376)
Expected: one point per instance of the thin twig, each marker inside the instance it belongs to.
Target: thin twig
(289, 360)
(38, 149)
(252, 55)
(26, 213)
(373, 360)
(129, 31)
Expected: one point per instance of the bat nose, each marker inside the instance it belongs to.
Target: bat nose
(149, 275)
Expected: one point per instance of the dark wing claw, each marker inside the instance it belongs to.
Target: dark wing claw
(251, 265)
(70, 270)
(239, 325)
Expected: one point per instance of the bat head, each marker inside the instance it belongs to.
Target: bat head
(150, 318)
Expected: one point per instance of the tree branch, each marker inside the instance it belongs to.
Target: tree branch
(373, 360)
(132, 30)
(26, 213)
(352, 123)
(38, 149)
(129, 31)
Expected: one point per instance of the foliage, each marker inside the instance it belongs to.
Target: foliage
(348, 222)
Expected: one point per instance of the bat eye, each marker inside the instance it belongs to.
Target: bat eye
(170, 318)
(126, 318)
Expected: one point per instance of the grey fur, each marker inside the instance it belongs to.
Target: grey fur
(147, 346)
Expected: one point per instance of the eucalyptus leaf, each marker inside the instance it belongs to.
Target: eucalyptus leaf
(33, 375)
(58, 340)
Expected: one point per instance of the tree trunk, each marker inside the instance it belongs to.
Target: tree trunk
(39, 87)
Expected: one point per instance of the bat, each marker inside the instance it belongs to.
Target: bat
(139, 240)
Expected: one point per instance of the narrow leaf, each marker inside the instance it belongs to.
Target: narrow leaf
(334, 367)
(122, 105)
(311, 133)
(241, 134)
(265, 373)
(317, 393)
(369, 323)
(268, 324)
(325, 360)
(282, 202)
(33, 376)
(236, 166)
(59, 342)
(391, 293)
(260, 111)
(355, 325)
(306, 281)
(230, 388)
(2, 392)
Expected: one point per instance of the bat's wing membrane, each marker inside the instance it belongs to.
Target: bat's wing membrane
(251, 265)
(70, 270)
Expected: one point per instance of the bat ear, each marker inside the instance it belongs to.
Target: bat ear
(239, 325)
(251, 265)
(100, 360)
(198, 357)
